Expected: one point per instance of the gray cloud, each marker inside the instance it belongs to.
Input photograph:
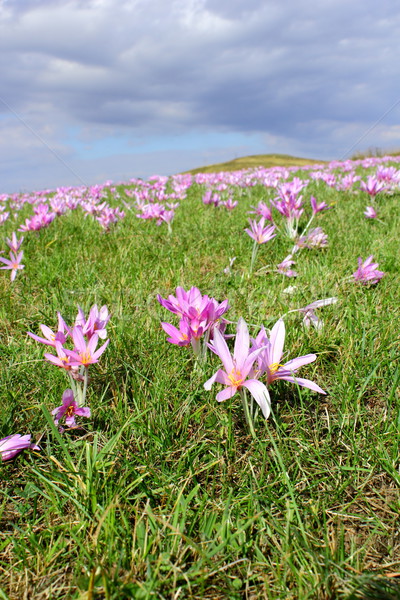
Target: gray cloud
(313, 75)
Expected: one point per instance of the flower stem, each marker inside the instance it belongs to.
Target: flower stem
(253, 256)
(73, 384)
(247, 414)
(205, 347)
(85, 383)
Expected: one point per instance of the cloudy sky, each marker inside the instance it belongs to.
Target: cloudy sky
(92, 90)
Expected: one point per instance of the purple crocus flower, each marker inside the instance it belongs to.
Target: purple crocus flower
(316, 208)
(316, 238)
(179, 337)
(85, 353)
(62, 359)
(263, 210)
(3, 215)
(96, 322)
(50, 338)
(373, 186)
(180, 304)
(367, 271)
(239, 370)
(284, 267)
(41, 218)
(167, 217)
(309, 312)
(259, 233)
(14, 263)
(270, 356)
(370, 212)
(230, 204)
(199, 315)
(14, 243)
(12, 445)
(193, 305)
(68, 409)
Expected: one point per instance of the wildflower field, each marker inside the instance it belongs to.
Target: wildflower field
(200, 386)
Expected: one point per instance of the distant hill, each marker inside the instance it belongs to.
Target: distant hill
(257, 160)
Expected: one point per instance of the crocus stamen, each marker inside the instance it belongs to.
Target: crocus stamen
(86, 358)
(236, 378)
(70, 411)
(274, 368)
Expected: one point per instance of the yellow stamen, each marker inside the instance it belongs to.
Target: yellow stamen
(274, 368)
(86, 357)
(235, 377)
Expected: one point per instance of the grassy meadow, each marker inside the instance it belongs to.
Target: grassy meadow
(257, 160)
(163, 493)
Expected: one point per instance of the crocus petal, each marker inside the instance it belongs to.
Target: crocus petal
(260, 394)
(58, 413)
(242, 342)
(177, 336)
(47, 332)
(91, 347)
(311, 317)
(296, 363)
(303, 383)
(277, 341)
(79, 340)
(226, 394)
(319, 303)
(84, 411)
(12, 445)
(100, 351)
(70, 421)
(170, 330)
(15, 441)
(62, 326)
(248, 363)
(219, 377)
(68, 397)
(222, 350)
(80, 318)
(57, 361)
(368, 261)
(37, 338)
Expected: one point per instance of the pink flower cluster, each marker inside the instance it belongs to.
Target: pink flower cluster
(373, 186)
(158, 212)
(199, 316)
(4, 214)
(108, 216)
(251, 362)
(14, 262)
(289, 203)
(84, 351)
(42, 217)
(85, 335)
(316, 238)
(216, 198)
(367, 272)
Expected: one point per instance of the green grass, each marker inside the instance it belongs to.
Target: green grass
(164, 494)
(258, 160)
